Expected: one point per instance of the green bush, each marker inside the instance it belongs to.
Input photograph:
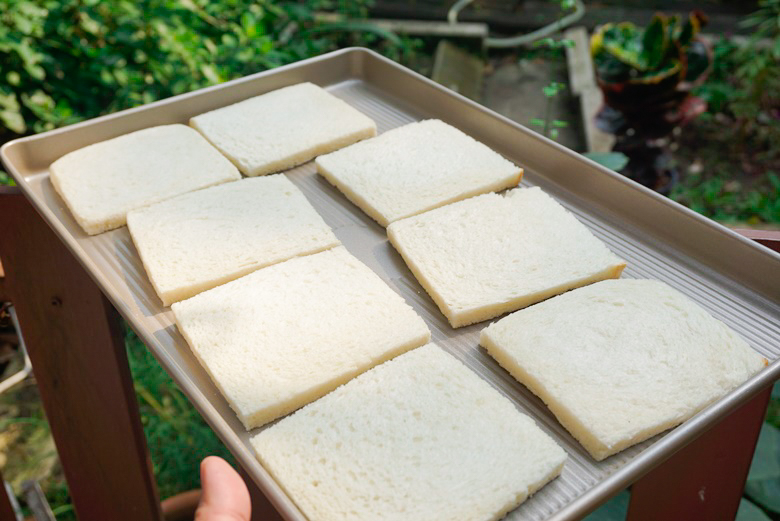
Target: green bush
(62, 61)
(744, 85)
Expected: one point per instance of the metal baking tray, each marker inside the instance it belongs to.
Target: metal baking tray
(735, 279)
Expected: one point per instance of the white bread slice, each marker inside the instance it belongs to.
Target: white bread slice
(200, 240)
(418, 438)
(100, 183)
(492, 254)
(285, 335)
(415, 168)
(622, 360)
(283, 128)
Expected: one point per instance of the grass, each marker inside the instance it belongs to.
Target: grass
(722, 180)
(177, 437)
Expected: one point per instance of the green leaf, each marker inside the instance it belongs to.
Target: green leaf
(537, 121)
(249, 24)
(750, 512)
(13, 78)
(10, 112)
(544, 42)
(613, 160)
(13, 121)
(766, 461)
(763, 484)
(210, 73)
(690, 29)
(776, 388)
(654, 42)
(766, 493)
(6, 179)
(613, 510)
(567, 5)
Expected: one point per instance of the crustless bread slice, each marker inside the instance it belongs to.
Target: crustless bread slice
(100, 183)
(418, 438)
(492, 254)
(414, 168)
(284, 335)
(283, 128)
(200, 240)
(622, 360)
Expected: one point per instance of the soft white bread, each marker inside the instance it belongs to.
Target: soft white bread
(418, 438)
(285, 335)
(200, 240)
(622, 360)
(492, 254)
(100, 183)
(283, 128)
(415, 168)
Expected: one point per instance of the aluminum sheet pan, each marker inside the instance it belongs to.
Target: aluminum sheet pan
(737, 280)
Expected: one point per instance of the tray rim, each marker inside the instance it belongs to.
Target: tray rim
(659, 451)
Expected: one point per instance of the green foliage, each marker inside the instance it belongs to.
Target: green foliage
(748, 511)
(725, 199)
(62, 61)
(551, 43)
(178, 437)
(549, 127)
(744, 86)
(763, 483)
(616, 161)
(765, 21)
(664, 49)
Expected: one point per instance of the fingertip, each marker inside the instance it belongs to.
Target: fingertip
(224, 491)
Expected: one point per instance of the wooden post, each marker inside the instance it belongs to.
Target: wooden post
(74, 340)
(6, 507)
(704, 480)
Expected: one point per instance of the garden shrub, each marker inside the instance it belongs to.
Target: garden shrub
(62, 61)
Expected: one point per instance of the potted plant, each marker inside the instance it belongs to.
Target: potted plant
(646, 76)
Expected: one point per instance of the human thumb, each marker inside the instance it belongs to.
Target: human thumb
(225, 496)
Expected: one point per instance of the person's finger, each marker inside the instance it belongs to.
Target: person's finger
(225, 496)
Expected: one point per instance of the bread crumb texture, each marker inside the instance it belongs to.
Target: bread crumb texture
(200, 240)
(100, 183)
(285, 335)
(620, 361)
(283, 128)
(494, 253)
(415, 168)
(418, 438)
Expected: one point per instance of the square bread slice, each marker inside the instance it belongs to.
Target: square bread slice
(492, 254)
(283, 128)
(415, 168)
(622, 360)
(200, 240)
(100, 183)
(285, 335)
(418, 438)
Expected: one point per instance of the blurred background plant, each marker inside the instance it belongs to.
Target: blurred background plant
(62, 61)
(732, 153)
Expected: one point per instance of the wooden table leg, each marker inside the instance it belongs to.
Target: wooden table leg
(704, 480)
(6, 508)
(80, 364)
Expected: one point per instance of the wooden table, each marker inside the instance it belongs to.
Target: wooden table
(74, 339)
